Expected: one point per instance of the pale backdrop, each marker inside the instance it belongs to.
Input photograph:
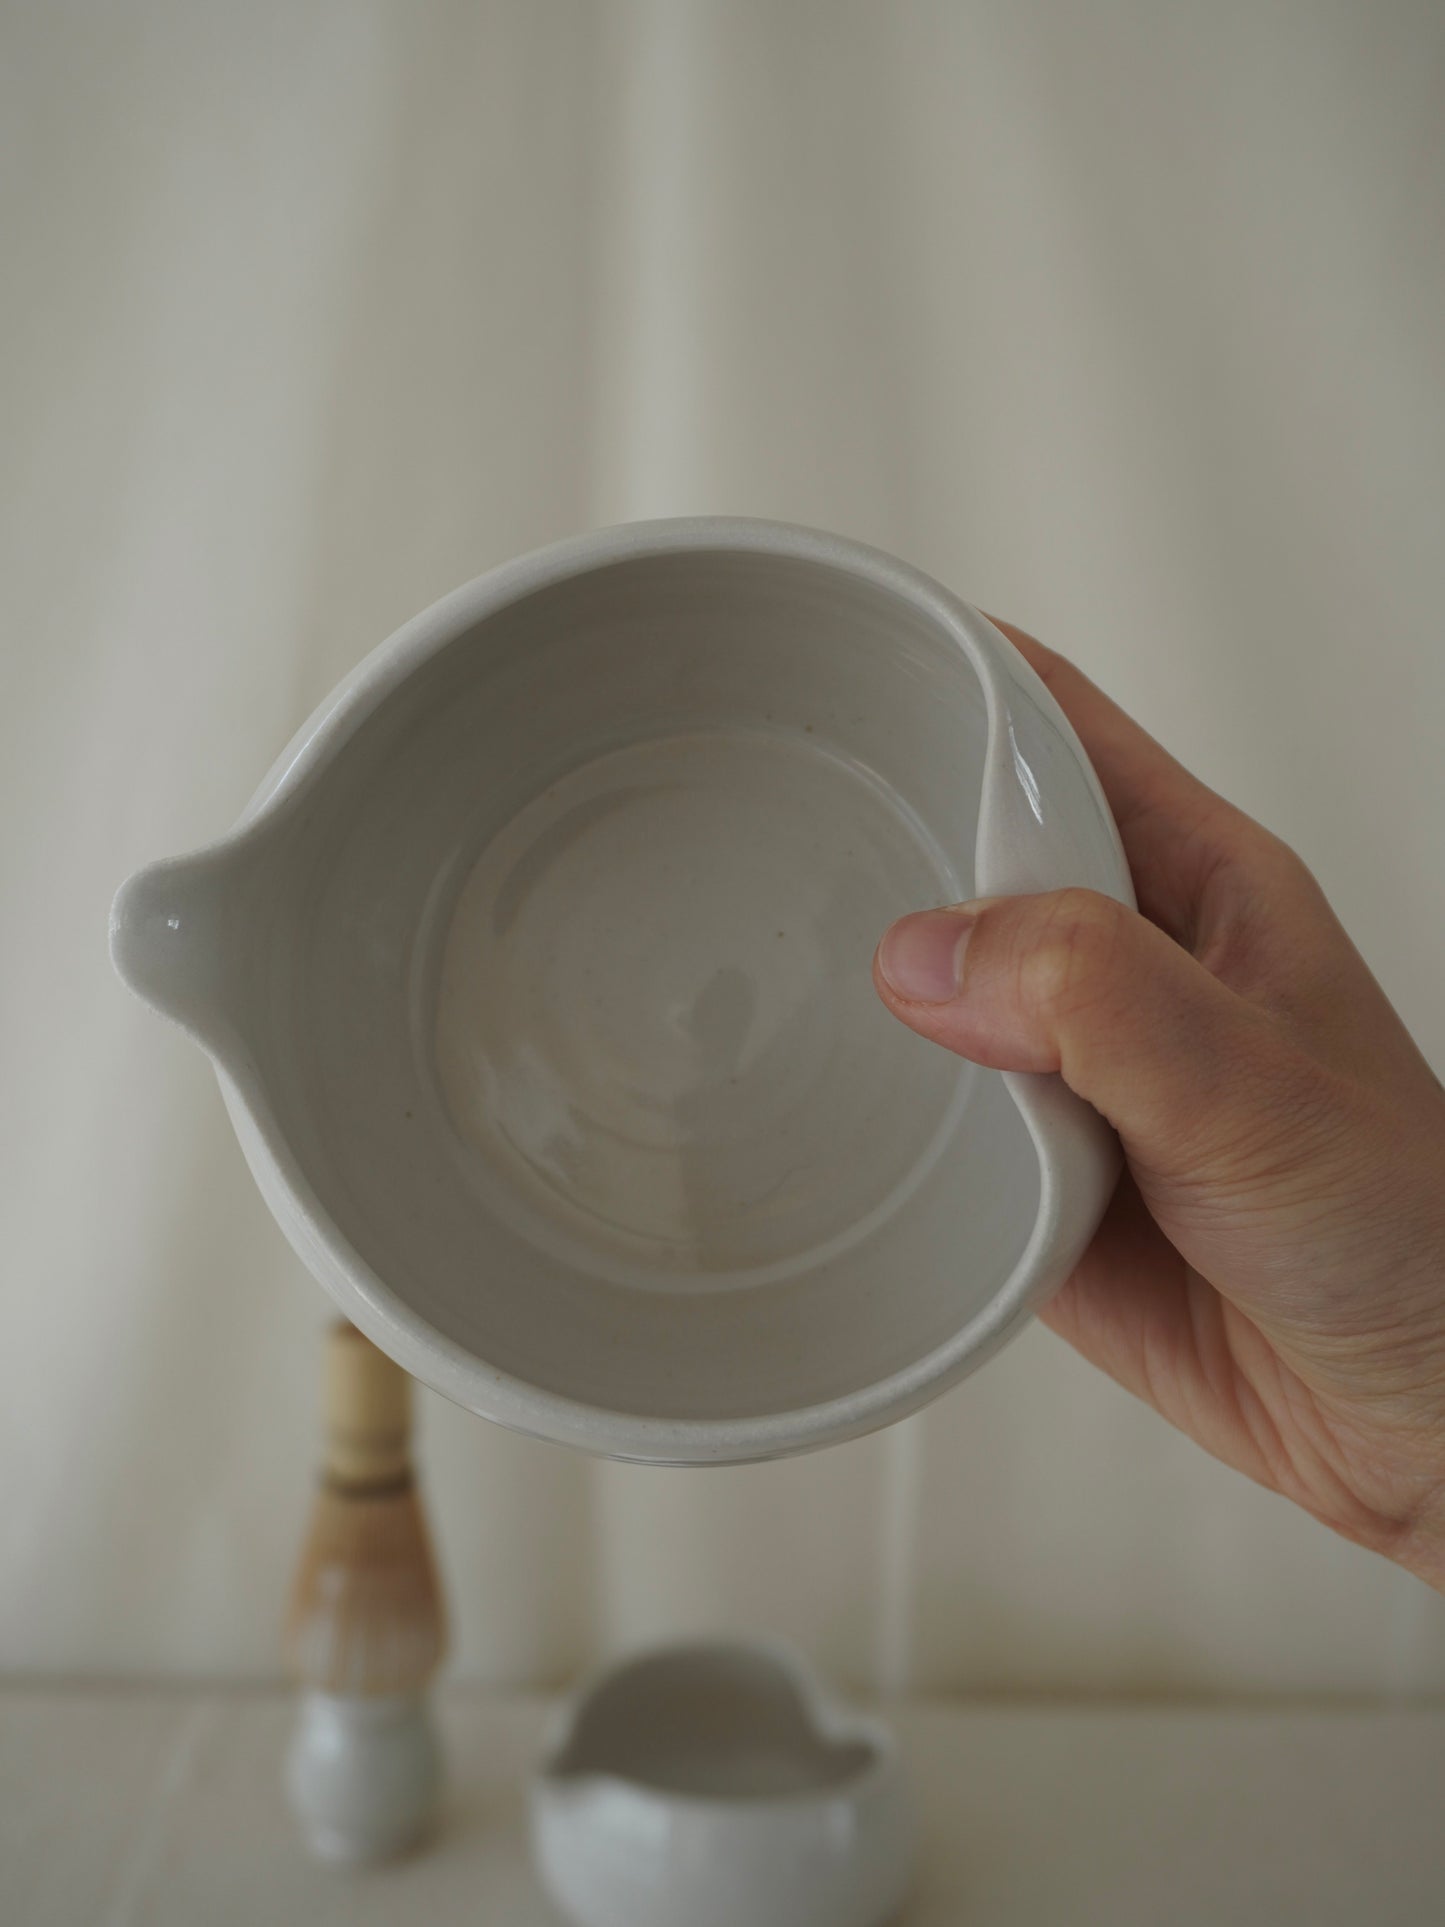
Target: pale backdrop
(1123, 320)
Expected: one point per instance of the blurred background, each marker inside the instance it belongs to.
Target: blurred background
(1124, 321)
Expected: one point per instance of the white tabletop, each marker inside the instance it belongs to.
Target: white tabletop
(163, 1809)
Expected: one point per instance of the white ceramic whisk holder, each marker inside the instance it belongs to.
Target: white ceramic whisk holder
(363, 1774)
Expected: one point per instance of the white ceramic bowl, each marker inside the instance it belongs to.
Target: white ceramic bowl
(719, 1786)
(537, 976)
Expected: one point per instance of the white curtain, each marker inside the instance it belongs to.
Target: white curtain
(1124, 320)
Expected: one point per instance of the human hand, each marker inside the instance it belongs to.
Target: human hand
(1270, 1275)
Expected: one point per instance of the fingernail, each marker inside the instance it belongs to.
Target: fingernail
(921, 957)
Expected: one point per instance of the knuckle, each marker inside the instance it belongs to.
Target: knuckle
(1258, 854)
(1070, 965)
(1265, 922)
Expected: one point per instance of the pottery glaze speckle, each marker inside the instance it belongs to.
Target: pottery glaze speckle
(720, 1786)
(537, 981)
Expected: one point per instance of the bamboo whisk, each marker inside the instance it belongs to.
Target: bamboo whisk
(365, 1629)
(366, 1611)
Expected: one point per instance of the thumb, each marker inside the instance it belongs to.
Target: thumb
(1076, 983)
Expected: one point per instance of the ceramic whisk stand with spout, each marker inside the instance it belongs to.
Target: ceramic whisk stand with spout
(365, 1631)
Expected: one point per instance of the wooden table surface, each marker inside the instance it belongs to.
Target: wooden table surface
(136, 1808)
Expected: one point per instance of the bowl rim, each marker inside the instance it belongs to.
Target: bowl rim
(828, 1715)
(376, 1307)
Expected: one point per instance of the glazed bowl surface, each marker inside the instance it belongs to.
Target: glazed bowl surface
(537, 976)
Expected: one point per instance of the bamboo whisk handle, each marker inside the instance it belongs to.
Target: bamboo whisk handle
(367, 1410)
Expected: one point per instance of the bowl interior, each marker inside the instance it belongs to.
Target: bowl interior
(711, 1722)
(579, 1045)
